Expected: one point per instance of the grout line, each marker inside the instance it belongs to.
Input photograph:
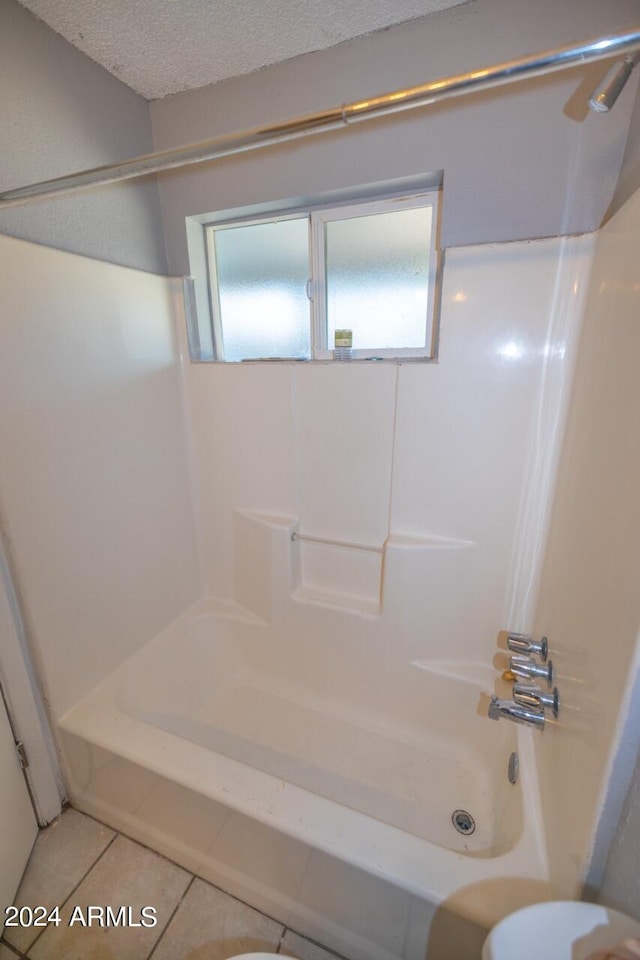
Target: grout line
(173, 913)
(82, 878)
(116, 834)
(331, 953)
(244, 903)
(139, 843)
(5, 943)
(215, 886)
(198, 876)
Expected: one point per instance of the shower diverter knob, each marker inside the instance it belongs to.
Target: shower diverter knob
(523, 643)
(528, 669)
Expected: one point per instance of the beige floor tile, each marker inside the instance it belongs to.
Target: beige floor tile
(61, 856)
(295, 946)
(128, 875)
(6, 953)
(211, 925)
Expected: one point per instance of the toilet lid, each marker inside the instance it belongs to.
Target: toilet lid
(558, 930)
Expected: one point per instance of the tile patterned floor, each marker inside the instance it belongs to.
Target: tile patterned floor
(77, 862)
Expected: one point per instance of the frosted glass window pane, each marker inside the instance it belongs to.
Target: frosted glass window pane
(262, 272)
(378, 278)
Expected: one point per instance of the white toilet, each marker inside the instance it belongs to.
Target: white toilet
(558, 930)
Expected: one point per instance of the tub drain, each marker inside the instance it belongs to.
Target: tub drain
(463, 822)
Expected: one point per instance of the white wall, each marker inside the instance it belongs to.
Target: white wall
(590, 603)
(629, 180)
(410, 452)
(620, 886)
(61, 112)
(525, 161)
(614, 860)
(94, 494)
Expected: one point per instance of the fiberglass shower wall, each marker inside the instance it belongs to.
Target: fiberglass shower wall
(94, 483)
(589, 602)
(438, 463)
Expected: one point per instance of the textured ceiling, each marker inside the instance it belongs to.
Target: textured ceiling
(159, 47)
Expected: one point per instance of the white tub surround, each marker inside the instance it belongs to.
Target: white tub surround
(309, 731)
(331, 702)
(94, 488)
(590, 603)
(459, 455)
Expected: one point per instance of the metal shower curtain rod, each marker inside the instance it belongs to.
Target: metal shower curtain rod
(334, 118)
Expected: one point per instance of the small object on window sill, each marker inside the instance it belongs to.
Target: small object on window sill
(343, 342)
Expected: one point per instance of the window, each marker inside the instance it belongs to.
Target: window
(281, 286)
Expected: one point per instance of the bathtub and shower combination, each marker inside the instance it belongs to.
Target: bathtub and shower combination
(292, 748)
(363, 799)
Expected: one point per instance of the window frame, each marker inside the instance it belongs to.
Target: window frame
(317, 216)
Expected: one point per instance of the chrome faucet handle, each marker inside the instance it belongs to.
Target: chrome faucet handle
(515, 711)
(523, 643)
(528, 669)
(529, 695)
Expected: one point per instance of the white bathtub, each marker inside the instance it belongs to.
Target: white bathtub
(320, 793)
